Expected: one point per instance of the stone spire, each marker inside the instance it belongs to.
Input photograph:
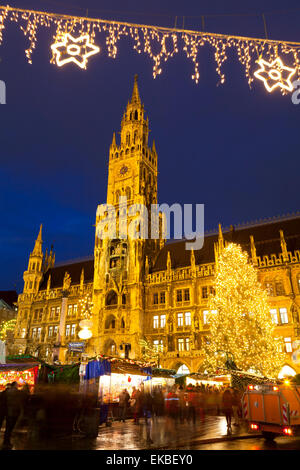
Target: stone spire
(253, 250)
(135, 93)
(37, 250)
(283, 246)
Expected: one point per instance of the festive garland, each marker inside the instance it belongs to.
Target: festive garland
(74, 42)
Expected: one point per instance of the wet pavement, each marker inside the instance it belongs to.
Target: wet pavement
(158, 433)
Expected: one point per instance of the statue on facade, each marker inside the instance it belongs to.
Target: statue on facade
(67, 281)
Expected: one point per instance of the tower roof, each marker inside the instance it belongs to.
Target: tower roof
(135, 93)
(37, 250)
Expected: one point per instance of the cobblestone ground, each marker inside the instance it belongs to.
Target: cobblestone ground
(158, 433)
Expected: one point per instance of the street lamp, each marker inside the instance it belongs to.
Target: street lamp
(229, 363)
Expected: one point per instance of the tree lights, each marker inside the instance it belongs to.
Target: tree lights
(86, 324)
(75, 40)
(241, 326)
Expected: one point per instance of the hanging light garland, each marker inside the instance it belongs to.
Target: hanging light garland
(272, 62)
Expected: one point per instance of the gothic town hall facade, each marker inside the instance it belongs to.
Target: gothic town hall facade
(151, 289)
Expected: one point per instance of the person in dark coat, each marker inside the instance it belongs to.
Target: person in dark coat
(13, 410)
(124, 398)
(3, 405)
(227, 401)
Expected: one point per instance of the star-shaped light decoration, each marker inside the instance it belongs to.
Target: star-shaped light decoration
(275, 74)
(75, 50)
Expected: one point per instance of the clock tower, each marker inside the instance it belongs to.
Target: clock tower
(120, 263)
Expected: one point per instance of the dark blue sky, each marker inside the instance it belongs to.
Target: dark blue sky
(234, 149)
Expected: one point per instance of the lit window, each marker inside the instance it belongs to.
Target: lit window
(180, 344)
(288, 345)
(205, 317)
(69, 310)
(52, 312)
(212, 290)
(33, 333)
(39, 330)
(162, 321)
(187, 344)
(162, 297)
(23, 334)
(68, 327)
(75, 310)
(283, 315)
(158, 345)
(73, 330)
(50, 331)
(57, 312)
(155, 321)
(55, 330)
(179, 295)
(180, 319)
(186, 295)
(187, 318)
(206, 314)
(274, 316)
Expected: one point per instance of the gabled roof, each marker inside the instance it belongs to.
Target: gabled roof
(266, 238)
(74, 269)
(9, 297)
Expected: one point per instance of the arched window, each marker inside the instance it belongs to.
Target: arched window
(135, 137)
(124, 299)
(110, 322)
(122, 323)
(111, 298)
(128, 193)
(118, 194)
(127, 138)
(136, 115)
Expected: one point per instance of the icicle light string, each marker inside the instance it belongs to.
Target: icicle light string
(75, 41)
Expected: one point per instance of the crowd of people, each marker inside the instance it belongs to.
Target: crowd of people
(58, 410)
(182, 403)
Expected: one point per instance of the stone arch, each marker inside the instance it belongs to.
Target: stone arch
(110, 347)
(286, 371)
(181, 365)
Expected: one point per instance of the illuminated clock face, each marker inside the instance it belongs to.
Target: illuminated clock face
(124, 170)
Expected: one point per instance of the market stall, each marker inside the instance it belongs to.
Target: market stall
(163, 378)
(20, 373)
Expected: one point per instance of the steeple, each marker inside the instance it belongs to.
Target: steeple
(32, 277)
(37, 250)
(135, 93)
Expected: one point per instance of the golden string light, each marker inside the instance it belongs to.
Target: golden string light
(160, 44)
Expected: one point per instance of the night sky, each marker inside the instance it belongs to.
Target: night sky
(234, 149)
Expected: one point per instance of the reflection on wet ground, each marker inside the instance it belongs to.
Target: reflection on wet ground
(161, 432)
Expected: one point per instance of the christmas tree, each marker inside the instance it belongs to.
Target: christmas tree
(241, 330)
